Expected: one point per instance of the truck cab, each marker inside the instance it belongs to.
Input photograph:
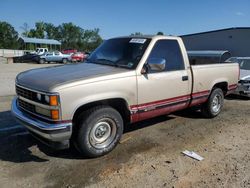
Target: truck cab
(40, 51)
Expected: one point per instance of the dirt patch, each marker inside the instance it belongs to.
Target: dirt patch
(150, 158)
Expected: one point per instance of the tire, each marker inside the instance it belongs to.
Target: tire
(42, 61)
(214, 105)
(100, 129)
(64, 60)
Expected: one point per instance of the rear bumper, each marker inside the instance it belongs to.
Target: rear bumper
(243, 89)
(49, 133)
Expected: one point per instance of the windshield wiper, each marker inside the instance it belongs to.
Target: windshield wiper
(107, 62)
(103, 62)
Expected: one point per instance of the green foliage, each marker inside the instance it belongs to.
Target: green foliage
(71, 35)
(8, 36)
(160, 33)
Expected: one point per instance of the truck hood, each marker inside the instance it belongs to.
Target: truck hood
(45, 79)
(244, 74)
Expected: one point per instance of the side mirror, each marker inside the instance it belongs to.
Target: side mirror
(156, 64)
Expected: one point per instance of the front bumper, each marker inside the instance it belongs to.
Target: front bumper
(56, 135)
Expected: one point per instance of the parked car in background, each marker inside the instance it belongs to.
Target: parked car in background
(244, 80)
(87, 54)
(69, 51)
(27, 58)
(55, 57)
(78, 57)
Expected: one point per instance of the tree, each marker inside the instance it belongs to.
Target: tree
(69, 34)
(40, 29)
(8, 36)
(38, 32)
(160, 33)
(91, 39)
(25, 28)
(52, 31)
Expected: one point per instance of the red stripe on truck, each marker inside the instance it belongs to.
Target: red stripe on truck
(166, 106)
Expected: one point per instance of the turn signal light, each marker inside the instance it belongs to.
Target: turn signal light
(53, 100)
(54, 114)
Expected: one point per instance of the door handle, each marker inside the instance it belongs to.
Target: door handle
(184, 78)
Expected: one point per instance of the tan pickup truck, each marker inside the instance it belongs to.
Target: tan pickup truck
(125, 80)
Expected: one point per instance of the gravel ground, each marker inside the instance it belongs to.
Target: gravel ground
(8, 74)
(150, 155)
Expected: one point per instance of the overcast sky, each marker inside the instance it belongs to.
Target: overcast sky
(116, 18)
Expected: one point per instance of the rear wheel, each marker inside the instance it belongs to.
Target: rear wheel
(64, 60)
(100, 129)
(214, 104)
(42, 61)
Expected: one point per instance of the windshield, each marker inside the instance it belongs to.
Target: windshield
(244, 64)
(120, 52)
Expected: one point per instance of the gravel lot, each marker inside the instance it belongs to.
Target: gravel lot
(148, 156)
(8, 74)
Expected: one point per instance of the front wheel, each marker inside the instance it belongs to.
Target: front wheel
(100, 130)
(214, 105)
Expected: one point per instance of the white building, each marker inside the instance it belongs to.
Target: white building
(235, 40)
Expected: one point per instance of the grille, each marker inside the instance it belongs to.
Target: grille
(25, 93)
(26, 106)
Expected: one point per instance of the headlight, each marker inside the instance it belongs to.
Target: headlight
(51, 100)
(47, 100)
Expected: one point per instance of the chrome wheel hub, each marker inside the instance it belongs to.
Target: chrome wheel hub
(103, 133)
(216, 103)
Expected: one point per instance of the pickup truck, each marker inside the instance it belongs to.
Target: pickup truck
(125, 80)
(54, 57)
(40, 51)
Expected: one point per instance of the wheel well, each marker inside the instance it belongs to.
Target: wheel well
(223, 86)
(119, 104)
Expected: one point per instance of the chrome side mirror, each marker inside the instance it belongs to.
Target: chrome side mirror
(156, 64)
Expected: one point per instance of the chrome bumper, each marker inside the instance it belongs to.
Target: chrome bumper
(57, 132)
(243, 89)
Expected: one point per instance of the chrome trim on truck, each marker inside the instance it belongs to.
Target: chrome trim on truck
(56, 132)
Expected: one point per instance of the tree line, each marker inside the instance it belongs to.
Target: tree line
(69, 34)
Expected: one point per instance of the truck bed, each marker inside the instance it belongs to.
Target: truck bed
(204, 79)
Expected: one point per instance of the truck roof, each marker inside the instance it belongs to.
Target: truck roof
(149, 36)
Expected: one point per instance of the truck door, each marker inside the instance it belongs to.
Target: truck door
(166, 91)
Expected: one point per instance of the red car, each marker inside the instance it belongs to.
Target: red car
(78, 56)
(69, 51)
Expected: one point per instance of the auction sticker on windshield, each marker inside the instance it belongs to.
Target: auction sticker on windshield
(140, 41)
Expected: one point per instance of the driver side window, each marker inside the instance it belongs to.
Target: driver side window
(171, 52)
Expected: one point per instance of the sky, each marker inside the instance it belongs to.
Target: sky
(119, 18)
